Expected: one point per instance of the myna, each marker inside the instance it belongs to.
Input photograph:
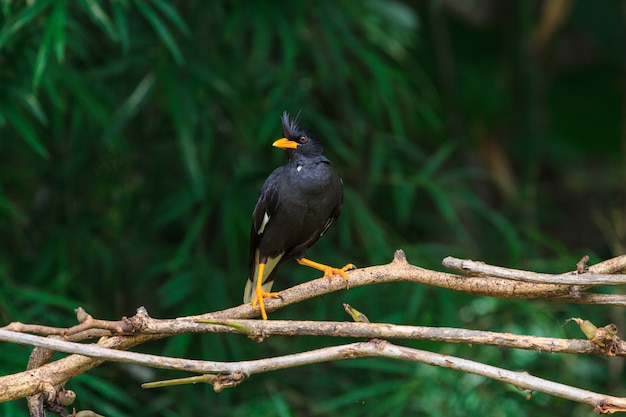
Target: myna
(298, 202)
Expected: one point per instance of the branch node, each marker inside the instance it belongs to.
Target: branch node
(581, 266)
(134, 324)
(380, 344)
(229, 380)
(63, 398)
(48, 389)
(143, 312)
(258, 336)
(603, 407)
(81, 315)
(575, 291)
(66, 397)
(399, 257)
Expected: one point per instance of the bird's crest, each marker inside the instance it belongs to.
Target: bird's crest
(291, 127)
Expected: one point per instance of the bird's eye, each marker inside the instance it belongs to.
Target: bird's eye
(303, 139)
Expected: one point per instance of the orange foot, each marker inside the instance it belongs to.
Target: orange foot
(328, 271)
(258, 299)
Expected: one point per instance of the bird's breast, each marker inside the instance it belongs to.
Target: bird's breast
(314, 179)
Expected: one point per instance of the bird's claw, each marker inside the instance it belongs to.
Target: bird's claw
(331, 271)
(259, 299)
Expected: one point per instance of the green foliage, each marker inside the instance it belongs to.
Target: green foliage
(135, 136)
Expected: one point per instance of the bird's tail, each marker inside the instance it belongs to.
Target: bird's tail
(267, 279)
(248, 292)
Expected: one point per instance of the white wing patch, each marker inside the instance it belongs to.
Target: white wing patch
(266, 219)
(248, 293)
(327, 225)
(269, 267)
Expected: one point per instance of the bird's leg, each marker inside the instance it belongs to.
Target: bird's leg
(328, 271)
(260, 293)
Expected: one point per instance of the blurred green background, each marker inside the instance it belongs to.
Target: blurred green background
(135, 136)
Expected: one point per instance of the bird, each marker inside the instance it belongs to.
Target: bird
(297, 204)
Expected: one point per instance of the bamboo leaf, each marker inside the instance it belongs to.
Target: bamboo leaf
(26, 131)
(167, 9)
(22, 19)
(98, 15)
(159, 26)
(133, 103)
(119, 10)
(30, 103)
(59, 18)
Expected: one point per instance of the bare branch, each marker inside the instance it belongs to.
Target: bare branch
(141, 328)
(372, 348)
(521, 380)
(399, 270)
(610, 266)
(616, 300)
(88, 327)
(479, 268)
(262, 329)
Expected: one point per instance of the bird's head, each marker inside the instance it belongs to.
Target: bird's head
(296, 140)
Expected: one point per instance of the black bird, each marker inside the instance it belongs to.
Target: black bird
(298, 202)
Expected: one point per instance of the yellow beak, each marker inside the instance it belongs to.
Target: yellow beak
(284, 143)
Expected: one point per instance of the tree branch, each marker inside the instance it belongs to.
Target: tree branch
(573, 278)
(399, 270)
(260, 330)
(239, 371)
(141, 328)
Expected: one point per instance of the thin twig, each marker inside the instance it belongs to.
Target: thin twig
(262, 329)
(87, 326)
(479, 268)
(610, 266)
(615, 300)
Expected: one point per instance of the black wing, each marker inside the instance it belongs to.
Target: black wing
(299, 250)
(266, 206)
(336, 211)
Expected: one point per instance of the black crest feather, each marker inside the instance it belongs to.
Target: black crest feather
(291, 127)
